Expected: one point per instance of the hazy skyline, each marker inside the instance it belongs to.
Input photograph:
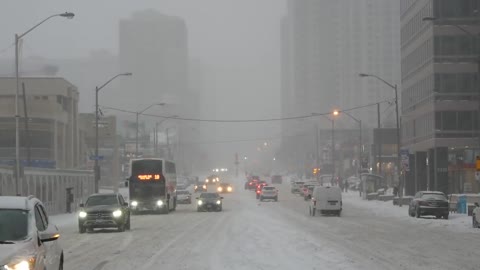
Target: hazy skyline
(236, 42)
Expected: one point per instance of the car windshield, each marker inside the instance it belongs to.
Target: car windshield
(13, 224)
(433, 196)
(101, 200)
(182, 192)
(268, 188)
(209, 195)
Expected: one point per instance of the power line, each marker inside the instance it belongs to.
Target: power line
(243, 120)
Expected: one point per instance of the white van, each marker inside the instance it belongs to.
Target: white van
(327, 200)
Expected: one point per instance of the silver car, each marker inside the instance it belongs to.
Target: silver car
(27, 239)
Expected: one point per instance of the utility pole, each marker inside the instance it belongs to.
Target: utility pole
(379, 142)
(317, 154)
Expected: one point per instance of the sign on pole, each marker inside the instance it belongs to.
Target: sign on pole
(405, 160)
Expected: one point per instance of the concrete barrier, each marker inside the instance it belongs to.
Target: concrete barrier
(52, 187)
(385, 198)
(404, 200)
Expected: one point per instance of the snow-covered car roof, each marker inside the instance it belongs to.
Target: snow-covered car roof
(14, 202)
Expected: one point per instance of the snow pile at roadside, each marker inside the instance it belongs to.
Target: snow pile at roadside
(456, 222)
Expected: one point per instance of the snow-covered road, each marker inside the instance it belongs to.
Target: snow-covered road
(269, 235)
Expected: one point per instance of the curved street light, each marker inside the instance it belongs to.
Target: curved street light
(395, 88)
(96, 167)
(68, 15)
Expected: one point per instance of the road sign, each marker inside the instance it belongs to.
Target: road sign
(97, 158)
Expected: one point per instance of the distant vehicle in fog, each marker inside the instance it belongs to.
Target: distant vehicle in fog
(268, 193)
(184, 196)
(277, 179)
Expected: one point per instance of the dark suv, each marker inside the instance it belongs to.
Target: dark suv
(104, 211)
(209, 201)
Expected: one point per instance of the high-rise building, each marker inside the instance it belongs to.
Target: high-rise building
(440, 78)
(154, 47)
(325, 45)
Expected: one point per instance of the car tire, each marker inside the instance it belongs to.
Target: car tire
(417, 213)
(199, 210)
(121, 228)
(339, 213)
(82, 229)
(438, 216)
(127, 226)
(445, 216)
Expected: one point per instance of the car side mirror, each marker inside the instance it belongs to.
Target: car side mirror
(50, 234)
(125, 204)
(81, 205)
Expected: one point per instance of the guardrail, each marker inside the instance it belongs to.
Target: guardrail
(60, 190)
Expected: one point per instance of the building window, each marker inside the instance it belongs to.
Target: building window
(449, 120)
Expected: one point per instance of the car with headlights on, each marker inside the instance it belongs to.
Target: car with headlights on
(200, 187)
(184, 197)
(433, 203)
(225, 188)
(104, 211)
(212, 180)
(28, 240)
(209, 201)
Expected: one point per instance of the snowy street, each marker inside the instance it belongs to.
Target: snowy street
(270, 235)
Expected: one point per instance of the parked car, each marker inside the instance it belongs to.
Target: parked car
(326, 200)
(476, 216)
(28, 240)
(184, 196)
(268, 192)
(108, 210)
(433, 203)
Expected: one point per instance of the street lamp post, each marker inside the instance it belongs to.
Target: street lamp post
(137, 129)
(395, 88)
(68, 15)
(156, 131)
(332, 120)
(96, 167)
(475, 36)
(360, 149)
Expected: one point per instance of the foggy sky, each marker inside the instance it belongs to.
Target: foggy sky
(237, 41)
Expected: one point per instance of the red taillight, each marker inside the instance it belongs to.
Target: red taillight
(258, 191)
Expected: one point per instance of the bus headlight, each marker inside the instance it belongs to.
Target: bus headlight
(160, 203)
(134, 203)
(82, 214)
(206, 180)
(219, 202)
(204, 186)
(219, 189)
(200, 202)
(229, 189)
(117, 213)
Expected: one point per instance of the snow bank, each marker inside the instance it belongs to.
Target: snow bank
(456, 222)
